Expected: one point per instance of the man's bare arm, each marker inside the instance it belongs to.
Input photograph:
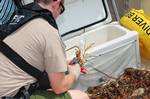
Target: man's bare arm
(60, 82)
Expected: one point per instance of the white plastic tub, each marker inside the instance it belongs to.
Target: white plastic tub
(115, 48)
(87, 22)
(105, 38)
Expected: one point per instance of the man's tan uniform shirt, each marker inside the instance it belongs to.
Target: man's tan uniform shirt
(40, 45)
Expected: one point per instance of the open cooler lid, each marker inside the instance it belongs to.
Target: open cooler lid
(80, 14)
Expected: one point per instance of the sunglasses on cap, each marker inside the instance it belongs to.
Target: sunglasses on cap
(62, 8)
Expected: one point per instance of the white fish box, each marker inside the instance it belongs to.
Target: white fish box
(113, 47)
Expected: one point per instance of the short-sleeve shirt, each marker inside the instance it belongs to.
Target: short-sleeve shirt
(40, 45)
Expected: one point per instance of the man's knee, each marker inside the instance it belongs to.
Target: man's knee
(85, 96)
(77, 94)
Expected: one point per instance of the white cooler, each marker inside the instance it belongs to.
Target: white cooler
(114, 48)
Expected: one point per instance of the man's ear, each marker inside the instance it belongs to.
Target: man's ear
(55, 3)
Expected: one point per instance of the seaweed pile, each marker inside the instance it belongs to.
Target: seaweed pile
(132, 84)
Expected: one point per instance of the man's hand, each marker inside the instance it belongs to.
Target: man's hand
(75, 69)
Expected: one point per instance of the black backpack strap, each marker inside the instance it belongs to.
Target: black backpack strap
(19, 61)
(18, 3)
(42, 77)
(26, 67)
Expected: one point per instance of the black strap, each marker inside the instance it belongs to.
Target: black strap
(22, 94)
(19, 61)
(18, 3)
